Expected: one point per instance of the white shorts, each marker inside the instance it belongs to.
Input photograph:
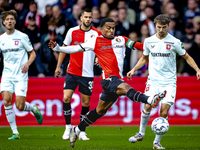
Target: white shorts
(153, 88)
(19, 87)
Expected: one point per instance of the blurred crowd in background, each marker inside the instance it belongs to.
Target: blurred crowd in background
(45, 20)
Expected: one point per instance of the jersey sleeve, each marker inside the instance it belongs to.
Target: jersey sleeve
(145, 48)
(180, 48)
(89, 45)
(68, 38)
(27, 44)
(133, 44)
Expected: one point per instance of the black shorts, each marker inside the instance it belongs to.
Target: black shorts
(85, 83)
(110, 88)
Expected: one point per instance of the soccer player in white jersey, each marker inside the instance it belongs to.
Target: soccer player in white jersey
(161, 50)
(15, 47)
(110, 51)
(79, 71)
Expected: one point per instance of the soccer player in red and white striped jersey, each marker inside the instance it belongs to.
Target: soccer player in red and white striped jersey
(110, 51)
(79, 71)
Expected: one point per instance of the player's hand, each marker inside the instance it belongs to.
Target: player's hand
(130, 74)
(198, 74)
(25, 68)
(57, 72)
(96, 62)
(52, 44)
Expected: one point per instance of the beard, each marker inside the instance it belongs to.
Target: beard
(86, 25)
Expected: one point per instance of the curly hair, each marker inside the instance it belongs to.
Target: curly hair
(10, 12)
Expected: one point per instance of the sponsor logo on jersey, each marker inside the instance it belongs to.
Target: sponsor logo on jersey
(110, 47)
(10, 50)
(16, 42)
(118, 39)
(160, 54)
(168, 46)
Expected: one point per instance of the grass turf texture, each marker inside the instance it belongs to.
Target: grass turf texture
(101, 138)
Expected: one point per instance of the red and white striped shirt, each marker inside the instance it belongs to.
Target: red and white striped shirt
(81, 64)
(110, 53)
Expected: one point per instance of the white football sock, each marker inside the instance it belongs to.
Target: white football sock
(10, 115)
(145, 115)
(68, 126)
(158, 137)
(29, 107)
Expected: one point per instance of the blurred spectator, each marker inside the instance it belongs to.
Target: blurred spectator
(140, 15)
(75, 16)
(119, 29)
(149, 20)
(4, 5)
(33, 10)
(144, 33)
(46, 19)
(111, 3)
(194, 52)
(189, 17)
(188, 38)
(172, 28)
(131, 14)
(167, 7)
(196, 23)
(133, 56)
(96, 17)
(192, 8)
(33, 32)
(155, 4)
(104, 10)
(42, 6)
(65, 6)
(85, 4)
(61, 21)
(134, 4)
(2, 27)
(122, 13)
(21, 13)
(47, 56)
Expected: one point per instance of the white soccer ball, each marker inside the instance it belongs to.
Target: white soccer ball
(160, 126)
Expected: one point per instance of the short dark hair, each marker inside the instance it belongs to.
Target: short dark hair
(162, 19)
(86, 10)
(10, 12)
(103, 21)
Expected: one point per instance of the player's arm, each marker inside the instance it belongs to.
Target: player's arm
(32, 57)
(192, 63)
(59, 63)
(88, 46)
(142, 61)
(133, 44)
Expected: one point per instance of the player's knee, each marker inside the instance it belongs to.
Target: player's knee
(66, 99)
(19, 106)
(86, 103)
(163, 114)
(101, 112)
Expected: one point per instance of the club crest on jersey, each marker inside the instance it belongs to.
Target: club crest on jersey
(118, 40)
(92, 35)
(16, 42)
(168, 46)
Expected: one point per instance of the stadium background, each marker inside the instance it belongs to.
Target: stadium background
(47, 91)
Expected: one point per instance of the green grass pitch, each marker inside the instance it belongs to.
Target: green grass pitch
(101, 138)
